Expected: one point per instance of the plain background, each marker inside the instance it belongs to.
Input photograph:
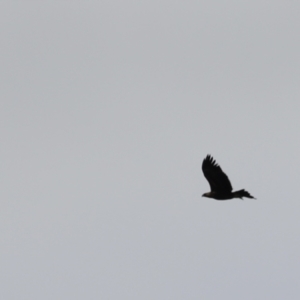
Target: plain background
(107, 110)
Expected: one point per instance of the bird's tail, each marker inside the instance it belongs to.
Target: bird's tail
(241, 194)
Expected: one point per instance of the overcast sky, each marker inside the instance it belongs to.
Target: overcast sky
(108, 108)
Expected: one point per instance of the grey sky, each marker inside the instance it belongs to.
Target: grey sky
(107, 110)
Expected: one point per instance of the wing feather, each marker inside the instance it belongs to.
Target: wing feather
(216, 178)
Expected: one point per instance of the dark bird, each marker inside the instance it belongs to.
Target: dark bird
(220, 185)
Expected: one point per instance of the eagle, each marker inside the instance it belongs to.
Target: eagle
(220, 185)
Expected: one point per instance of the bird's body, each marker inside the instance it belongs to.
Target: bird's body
(220, 185)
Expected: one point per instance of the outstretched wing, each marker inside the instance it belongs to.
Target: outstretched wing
(216, 178)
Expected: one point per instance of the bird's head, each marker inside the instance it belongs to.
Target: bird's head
(208, 195)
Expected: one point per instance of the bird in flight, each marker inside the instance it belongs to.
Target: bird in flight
(220, 185)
